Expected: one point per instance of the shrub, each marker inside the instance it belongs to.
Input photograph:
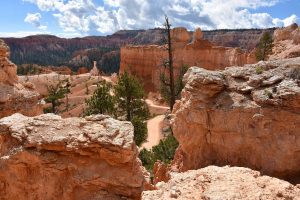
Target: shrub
(164, 152)
(140, 130)
(57, 92)
(269, 94)
(102, 101)
(259, 70)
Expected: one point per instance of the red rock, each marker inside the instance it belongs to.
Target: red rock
(216, 183)
(286, 43)
(47, 157)
(241, 117)
(146, 61)
(15, 97)
(161, 172)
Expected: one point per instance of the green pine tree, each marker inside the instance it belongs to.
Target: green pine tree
(130, 97)
(265, 47)
(57, 92)
(131, 105)
(102, 101)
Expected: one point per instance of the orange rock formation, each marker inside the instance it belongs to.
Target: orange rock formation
(222, 183)
(244, 116)
(47, 157)
(286, 43)
(146, 61)
(15, 97)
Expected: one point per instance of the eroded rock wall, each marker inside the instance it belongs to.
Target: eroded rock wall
(216, 183)
(47, 157)
(244, 116)
(146, 61)
(15, 97)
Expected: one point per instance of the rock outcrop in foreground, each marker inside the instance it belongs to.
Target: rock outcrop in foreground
(47, 157)
(215, 183)
(146, 61)
(244, 116)
(15, 97)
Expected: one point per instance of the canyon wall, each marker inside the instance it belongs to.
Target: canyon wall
(15, 97)
(215, 183)
(47, 157)
(243, 116)
(146, 61)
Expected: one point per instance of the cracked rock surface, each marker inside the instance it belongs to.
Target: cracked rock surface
(47, 157)
(243, 116)
(215, 183)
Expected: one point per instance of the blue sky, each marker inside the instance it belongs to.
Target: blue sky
(75, 18)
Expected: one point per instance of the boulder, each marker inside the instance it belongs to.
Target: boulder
(217, 183)
(47, 157)
(243, 116)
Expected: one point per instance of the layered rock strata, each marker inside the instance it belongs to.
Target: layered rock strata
(15, 97)
(146, 61)
(47, 157)
(244, 116)
(217, 183)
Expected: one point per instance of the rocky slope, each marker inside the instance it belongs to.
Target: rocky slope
(243, 116)
(215, 183)
(47, 157)
(15, 97)
(146, 61)
(286, 43)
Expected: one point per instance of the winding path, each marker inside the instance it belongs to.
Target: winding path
(154, 126)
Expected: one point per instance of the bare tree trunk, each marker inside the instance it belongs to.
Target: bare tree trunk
(171, 69)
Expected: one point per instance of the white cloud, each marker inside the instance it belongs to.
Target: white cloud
(34, 19)
(20, 34)
(86, 17)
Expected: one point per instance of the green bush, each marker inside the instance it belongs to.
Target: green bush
(164, 152)
(259, 70)
(102, 101)
(140, 130)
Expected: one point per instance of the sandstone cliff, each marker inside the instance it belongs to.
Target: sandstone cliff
(146, 61)
(286, 43)
(47, 157)
(215, 183)
(243, 116)
(15, 97)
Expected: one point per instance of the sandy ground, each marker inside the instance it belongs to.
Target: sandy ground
(154, 126)
(78, 91)
(156, 109)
